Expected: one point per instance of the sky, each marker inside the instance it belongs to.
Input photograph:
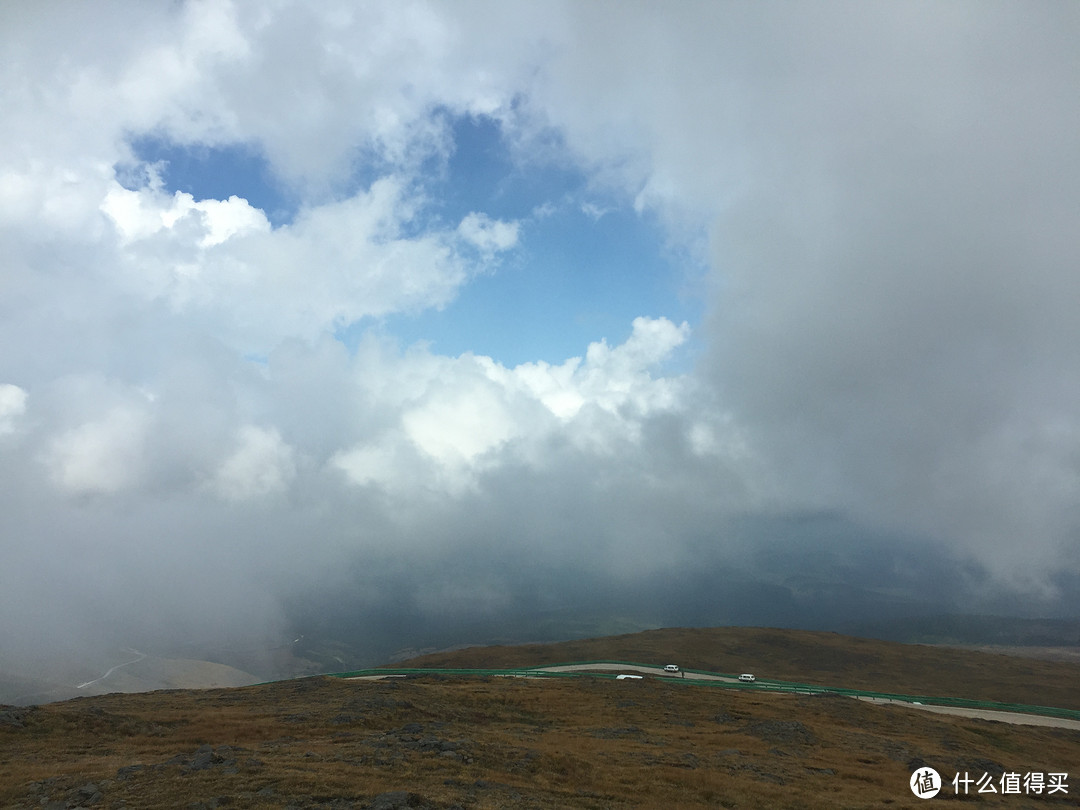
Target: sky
(430, 321)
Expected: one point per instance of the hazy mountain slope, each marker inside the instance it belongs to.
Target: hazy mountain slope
(142, 675)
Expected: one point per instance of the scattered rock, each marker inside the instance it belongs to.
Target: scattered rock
(400, 800)
(760, 773)
(782, 731)
(15, 716)
(616, 733)
(85, 796)
(391, 800)
(204, 758)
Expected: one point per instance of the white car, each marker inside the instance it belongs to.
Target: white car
(747, 678)
(628, 677)
(671, 668)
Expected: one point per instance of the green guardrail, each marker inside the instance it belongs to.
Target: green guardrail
(761, 685)
(927, 700)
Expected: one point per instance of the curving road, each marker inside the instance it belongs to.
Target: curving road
(1001, 716)
(605, 667)
(113, 669)
(1016, 718)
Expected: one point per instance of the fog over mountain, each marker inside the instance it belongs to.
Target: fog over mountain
(287, 292)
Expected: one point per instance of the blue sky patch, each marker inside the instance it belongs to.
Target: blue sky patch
(218, 172)
(571, 281)
(585, 266)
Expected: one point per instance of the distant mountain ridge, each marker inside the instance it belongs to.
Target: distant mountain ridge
(964, 629)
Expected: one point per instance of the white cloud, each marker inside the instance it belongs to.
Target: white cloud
(372, 464)
(457, 427)
(12, 407)
(554, 386)
(141, 214)
(52, 199)
(488, 235)
(890, 319)
(213, 73)
(470, 415)
(617, 377)
(103, 456)
(337, 263)
(262, 464)
(594, 211)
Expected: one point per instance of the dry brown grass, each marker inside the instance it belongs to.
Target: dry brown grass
(825, 659)
(497, 743)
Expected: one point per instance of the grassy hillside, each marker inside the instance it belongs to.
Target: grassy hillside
(444, 742)
(825, 659)
(976, 629)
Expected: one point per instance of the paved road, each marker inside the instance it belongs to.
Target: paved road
(603, 667)
(598, 667)
(1016, 718)
(141, 656)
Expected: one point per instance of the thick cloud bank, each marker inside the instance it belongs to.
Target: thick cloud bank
(882, 395)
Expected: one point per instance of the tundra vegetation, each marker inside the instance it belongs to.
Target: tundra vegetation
(466, 742)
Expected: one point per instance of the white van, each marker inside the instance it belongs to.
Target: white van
(671, 668)
(747, 678)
